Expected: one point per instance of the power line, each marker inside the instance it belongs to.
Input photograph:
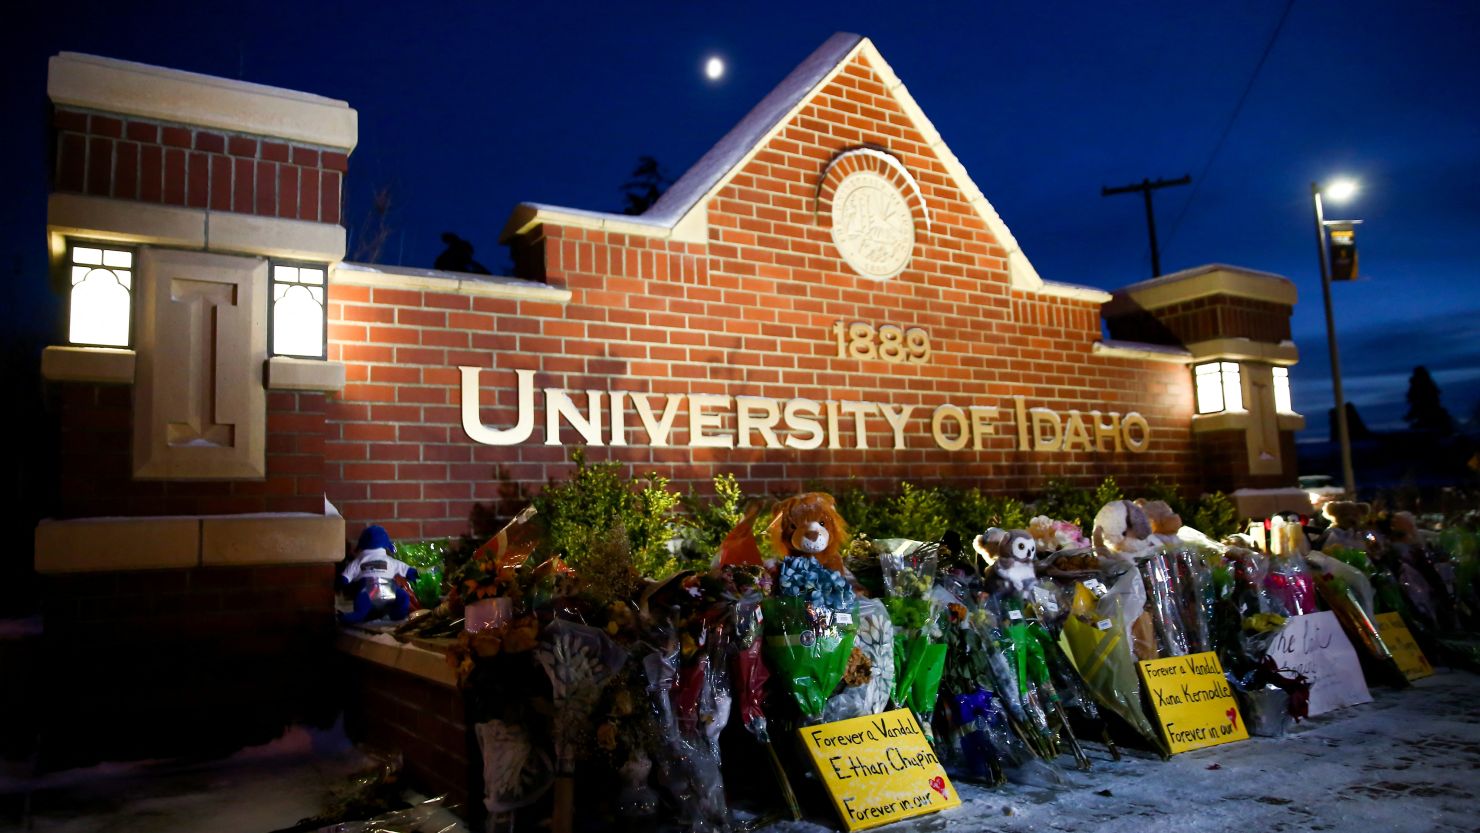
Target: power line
(1144, 188)
(1228, 128)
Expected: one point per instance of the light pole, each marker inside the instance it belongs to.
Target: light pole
(1338, 191)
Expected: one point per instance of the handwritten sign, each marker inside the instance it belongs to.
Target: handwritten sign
(879, 769)
(1193, 702)
(1395, 633)
(1315, 646)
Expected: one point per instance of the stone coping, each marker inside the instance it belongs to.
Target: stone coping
(377, 276)
(288, 373)
(93, 82)
(161, 542)
(1282, 353)
(105, 365)
(425, 662)
(1210, 279)
(136, 223)
(1143, 351)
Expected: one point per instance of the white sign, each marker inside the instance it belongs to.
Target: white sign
(1315, 646)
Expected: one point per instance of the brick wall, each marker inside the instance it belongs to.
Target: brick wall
(749, 312)
(1200, 319)
(168, 662)
(107, 155)
(1223, 461)
(96, 468)
(421, 719)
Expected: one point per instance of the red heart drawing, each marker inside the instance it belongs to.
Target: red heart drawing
(939, 785)
(1232, 717)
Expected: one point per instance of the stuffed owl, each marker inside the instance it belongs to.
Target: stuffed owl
(1010, 554)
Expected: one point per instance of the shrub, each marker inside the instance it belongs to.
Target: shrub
(1214, 515)
(707, 521)
(580, 513)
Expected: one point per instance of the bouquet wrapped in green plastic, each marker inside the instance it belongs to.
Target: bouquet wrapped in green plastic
(810, 625)
(919, 640)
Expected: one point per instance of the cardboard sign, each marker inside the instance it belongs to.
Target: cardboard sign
(1399, 639)
(1193, 702)
(1315, 645)
(879, 768)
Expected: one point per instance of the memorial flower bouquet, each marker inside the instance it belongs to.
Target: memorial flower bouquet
(919, 640)
(1030, 646)
(870, 684)
(579, 660)
(810, 627)
(687, 768)
(1174, 579)
(1096, 633)
(976, 707)
(1290, 584)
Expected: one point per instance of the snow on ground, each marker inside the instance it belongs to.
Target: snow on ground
(1410, 761)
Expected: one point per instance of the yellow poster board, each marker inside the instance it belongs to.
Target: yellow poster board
(879, 769)
(1399, 639)
(1193, 702)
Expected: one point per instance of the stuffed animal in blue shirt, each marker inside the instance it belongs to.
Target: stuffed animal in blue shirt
(383, 579)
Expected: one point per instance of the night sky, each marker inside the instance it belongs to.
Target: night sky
(469, 108)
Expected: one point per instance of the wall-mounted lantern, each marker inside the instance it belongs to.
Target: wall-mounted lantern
(300, 309)
(1219, 387)
(100, 295)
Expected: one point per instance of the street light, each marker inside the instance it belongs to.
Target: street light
(1338, 190)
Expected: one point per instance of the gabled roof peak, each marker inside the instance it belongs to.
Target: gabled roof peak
(680, 213)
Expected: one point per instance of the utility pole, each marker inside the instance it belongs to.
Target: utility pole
(1145, 187)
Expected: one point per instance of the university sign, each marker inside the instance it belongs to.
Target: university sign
(798, 423)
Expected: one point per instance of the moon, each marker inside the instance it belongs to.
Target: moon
(714, 68)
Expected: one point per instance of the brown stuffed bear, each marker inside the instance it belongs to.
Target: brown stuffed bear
(809, 525)
(1347, 518)
(1164, 522)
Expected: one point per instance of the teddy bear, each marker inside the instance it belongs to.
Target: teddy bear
(1347, 518)
(1010, 554)
(384, 580)
(1164, 522)
(809, 525)
(1122, 531)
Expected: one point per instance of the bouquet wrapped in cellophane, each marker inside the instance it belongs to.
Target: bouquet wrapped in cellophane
(908, 569)
(810, 626)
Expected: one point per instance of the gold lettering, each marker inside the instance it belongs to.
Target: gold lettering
(800, 415)
(937, 424)
(746, 409)
(860, 412)
(1075, 433)
(1045, 418)
(1106, 430)
(700, 421)
(1140, 445)
(558, 404)
(657, 429)
(1020, 405)
(981, 424)
(472, 401)
(618, 418)
(897, 420)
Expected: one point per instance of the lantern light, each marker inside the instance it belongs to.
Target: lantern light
(100, 300)
(299, 310)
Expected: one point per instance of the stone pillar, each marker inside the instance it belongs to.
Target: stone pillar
(188, 569)
(1235, 327)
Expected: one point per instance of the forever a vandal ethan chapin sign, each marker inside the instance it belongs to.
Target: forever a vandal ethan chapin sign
(879, 768)
(615, 417)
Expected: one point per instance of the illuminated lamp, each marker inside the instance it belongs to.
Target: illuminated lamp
(299, 310)
(100, 298)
